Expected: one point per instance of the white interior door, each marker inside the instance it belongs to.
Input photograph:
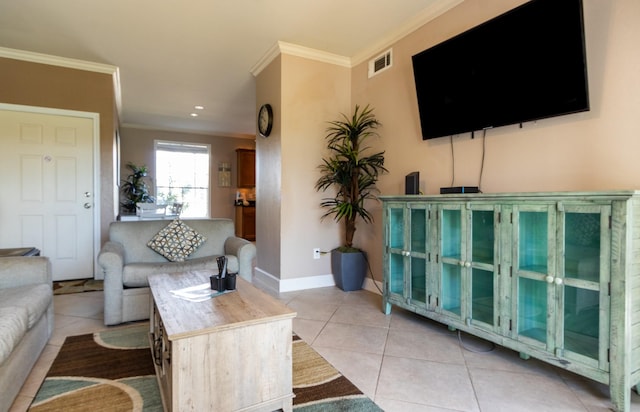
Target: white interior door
(47, 188)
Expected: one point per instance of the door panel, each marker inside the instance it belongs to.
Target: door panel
(46, 190)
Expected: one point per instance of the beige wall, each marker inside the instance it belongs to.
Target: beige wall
(596, 150)
(34, 84)
(137, 146)
(304, 94)
(269, 174)
(312, 93)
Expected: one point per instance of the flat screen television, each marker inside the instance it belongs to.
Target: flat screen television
(526, 64)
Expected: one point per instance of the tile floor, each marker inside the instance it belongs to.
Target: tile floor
(402, 361)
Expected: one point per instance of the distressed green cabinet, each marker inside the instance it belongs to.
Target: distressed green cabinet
(555, 276)
(466, 261)
(409, 253)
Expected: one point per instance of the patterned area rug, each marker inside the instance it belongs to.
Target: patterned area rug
(77, 286)
(113, 371)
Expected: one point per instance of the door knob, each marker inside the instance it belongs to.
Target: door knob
(87, 205)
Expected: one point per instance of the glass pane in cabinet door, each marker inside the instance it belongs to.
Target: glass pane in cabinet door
(532, 242)
(451, 288)
(532, 309)
(482, 296)
(582, 246)
(396, 228)
(418, 230)
(418, 280)
(396, 273)
(483, 236)
(581, 321)
(451, 232)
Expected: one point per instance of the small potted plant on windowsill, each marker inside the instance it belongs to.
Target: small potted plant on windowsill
(134, 189)
(353, 173)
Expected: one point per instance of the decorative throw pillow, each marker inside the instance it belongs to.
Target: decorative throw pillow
(176, 241)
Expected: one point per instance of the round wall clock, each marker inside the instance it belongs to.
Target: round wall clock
(265, 120)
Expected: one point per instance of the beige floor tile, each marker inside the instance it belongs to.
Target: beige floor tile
(402, 319)
(361, 315)
(442, 385)
(360, 368)
(425, 345)
(391, 405)
(86, 305)
(507, 360)
(508, 391)
(355, 338)
(307, 329)
(312, 310)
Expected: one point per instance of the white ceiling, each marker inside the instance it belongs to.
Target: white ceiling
(173, 55)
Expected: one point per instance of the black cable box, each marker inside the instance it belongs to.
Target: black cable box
(459, 189)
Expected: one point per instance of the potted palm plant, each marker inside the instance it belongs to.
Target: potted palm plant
(135, 189)
(352, 171)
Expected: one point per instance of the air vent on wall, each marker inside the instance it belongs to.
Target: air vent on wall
(380, 63)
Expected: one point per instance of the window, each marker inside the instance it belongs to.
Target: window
(182, 176)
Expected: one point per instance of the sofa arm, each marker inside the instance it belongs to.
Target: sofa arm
(245, 251)
(21, 271)
(111, 260)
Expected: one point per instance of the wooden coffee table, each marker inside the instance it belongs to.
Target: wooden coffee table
(228, 353)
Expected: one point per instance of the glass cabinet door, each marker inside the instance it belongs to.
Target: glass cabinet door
(418, 254)
(560, 270)
(395, 233)
(452, 258)
(533, 267)
(407, 253)
(483, 277)
(468, 284)
(583, 269)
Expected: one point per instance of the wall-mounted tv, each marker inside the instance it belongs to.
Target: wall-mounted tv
(524, 65)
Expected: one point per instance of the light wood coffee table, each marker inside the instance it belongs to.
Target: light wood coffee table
(228, 353)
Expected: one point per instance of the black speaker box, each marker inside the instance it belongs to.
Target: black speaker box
(412, 183)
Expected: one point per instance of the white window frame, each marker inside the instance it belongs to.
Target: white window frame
(158, 143)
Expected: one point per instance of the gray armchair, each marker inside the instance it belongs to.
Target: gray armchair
(127, 261)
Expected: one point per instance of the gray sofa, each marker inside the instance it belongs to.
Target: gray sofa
(127, 261)
(26, 320)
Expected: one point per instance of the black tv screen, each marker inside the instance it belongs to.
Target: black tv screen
(527, 64)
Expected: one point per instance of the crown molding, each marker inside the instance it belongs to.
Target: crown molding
(299, 51)
(436, 9)
(51, 60)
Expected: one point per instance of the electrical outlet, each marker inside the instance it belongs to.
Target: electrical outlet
(316, 253)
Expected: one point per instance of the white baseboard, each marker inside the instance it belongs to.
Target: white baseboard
(273, 284)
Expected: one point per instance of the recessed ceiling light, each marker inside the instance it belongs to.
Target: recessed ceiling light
(199, 107)
(194, 114)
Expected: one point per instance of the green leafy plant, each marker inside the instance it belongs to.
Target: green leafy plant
(135, 189)
(351, 170)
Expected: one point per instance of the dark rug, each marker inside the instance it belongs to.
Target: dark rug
(113, 371)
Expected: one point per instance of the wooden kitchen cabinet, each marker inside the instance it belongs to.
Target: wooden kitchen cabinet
(246, 163)
(246, 222)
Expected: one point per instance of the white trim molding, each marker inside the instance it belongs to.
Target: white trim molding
(300, 51)
(269, 282)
